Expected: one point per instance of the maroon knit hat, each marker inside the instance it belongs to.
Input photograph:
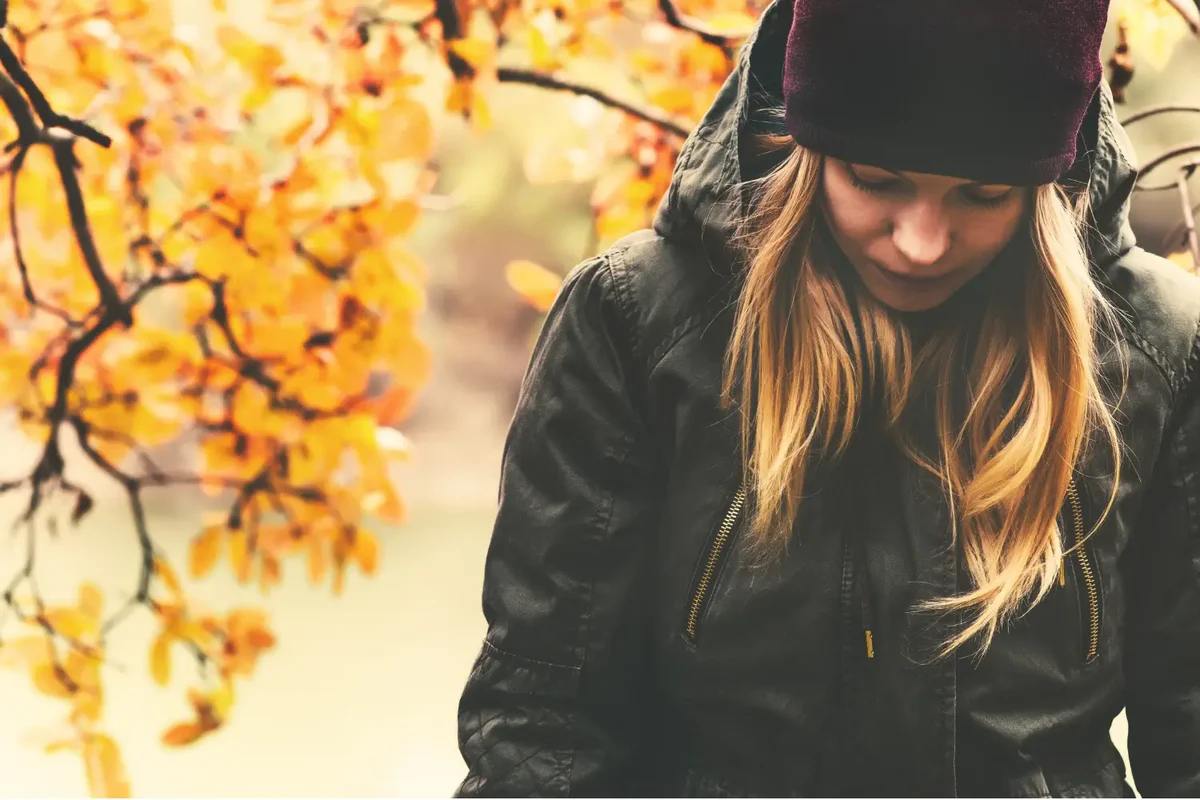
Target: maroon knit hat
(989, 90)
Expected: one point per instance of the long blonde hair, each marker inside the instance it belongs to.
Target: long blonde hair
(808, 352)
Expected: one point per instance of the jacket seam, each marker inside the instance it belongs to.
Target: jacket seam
(1192, 365)
(618, 268)
(673, 338)
(501, 652)
(1156, 356)
(618, 274)
(602, 527)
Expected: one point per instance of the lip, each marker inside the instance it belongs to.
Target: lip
(904, 280)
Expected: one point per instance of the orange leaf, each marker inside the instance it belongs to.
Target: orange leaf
(538, 285)
(205, 550)
(393, 404)
(316, 560)
(366, 551)
(181, 734)
(260, 638)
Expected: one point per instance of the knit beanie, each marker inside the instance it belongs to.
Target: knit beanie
(987, 90)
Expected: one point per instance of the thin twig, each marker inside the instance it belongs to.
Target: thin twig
(684, 22)
(544, 81)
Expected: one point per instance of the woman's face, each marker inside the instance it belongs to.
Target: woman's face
(914, 237)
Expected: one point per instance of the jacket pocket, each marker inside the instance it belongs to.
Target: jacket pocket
(709, 568)
(515, 724)
(1085, 566)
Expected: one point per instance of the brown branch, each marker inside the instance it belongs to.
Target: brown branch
(49, 117)
(544, 81)
(676, 19)
(64, 158)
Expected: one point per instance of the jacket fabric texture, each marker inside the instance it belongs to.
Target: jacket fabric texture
(629, 652)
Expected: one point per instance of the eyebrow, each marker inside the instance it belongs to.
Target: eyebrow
(852, 167)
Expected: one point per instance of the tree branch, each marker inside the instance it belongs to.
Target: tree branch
(540, 79)
(691, 24)
(50, 118)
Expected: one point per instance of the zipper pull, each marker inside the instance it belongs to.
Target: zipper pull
(867, 620)
(1062, 573)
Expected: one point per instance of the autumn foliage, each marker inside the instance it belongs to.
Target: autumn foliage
(206, 247)
(205, 242)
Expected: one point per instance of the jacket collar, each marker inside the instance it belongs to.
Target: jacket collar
(701, 205)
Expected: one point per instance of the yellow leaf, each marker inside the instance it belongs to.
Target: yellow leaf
(164, 571)
(61, 744)
(205, 550)
(259, 59)
(47, 681)
(222, 699)
(91, 601)
(105, 767)
(87, 705)
(160, 659)
(268, 571)
(477, 52)
(239, 558)
(730, 23)
(538, 285)
(674, 99)
(481, 113)
(181, 734)
(540, 54)
(71, 622)
(1183, 259)
(24, 652)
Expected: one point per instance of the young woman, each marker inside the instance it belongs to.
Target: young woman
(872, 469)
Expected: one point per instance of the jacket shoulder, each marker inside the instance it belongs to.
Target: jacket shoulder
(1163, 305)
(670, 286)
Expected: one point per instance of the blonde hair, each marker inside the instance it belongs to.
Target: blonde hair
(808, 351)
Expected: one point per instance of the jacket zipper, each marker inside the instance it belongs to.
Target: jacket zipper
(1088, 571)
(712, 561)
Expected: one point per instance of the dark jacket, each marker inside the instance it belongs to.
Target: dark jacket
(629, 652)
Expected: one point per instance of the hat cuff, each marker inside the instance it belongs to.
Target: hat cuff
(894, 152)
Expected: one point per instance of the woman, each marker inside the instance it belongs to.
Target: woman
(778, 518)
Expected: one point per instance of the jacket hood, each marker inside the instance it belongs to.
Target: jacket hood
(701, 203)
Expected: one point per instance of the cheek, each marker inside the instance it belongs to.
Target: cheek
(852, 218)
(983, 238)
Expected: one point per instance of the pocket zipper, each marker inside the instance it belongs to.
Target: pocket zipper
(1087, 570)
(712, 561)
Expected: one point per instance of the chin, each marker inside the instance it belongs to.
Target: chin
(909, 301)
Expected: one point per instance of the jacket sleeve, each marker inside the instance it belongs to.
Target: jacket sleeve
(556, 702)
(1162, 649)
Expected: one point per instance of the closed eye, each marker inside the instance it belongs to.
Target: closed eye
(883, 187)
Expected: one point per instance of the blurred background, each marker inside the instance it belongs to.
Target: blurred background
(356, 693)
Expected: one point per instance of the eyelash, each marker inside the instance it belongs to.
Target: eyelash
(871, 188)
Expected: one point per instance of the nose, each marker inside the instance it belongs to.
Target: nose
(921, 233)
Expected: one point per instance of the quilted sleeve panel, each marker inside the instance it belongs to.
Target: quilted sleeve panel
(515, 748)
(556, 702)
